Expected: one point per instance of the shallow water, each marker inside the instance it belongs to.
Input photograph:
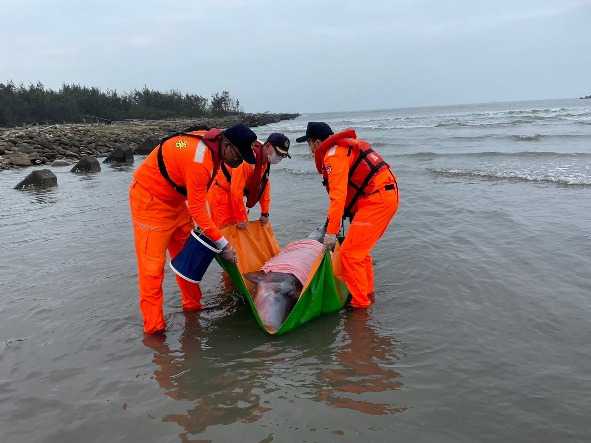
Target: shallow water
(480, 331)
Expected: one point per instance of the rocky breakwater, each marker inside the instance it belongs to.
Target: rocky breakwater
(37, 145)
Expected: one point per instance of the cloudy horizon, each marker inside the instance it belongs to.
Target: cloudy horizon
(309, 56)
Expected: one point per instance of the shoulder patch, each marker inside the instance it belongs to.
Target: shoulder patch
(331, 151)
(200, 152)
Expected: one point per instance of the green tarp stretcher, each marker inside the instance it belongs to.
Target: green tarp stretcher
(322, 294)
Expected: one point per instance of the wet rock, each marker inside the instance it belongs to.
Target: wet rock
(72, 141)
(18, 159)
(87, 164)
(45, 143)
(61, 162)
(120, 156)
(147, 146)
(24, 149)
(42, 178)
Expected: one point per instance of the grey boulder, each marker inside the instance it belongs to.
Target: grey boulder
(120, 156)
(147, 146)
(87, 164)
(42, 178)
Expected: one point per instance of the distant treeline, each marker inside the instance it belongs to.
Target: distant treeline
(74, 103)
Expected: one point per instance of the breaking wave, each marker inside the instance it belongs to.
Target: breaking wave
(527, 138)
(575, 180)
(299, 172)
(522, 154)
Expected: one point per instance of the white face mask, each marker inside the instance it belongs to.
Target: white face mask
(274, 158)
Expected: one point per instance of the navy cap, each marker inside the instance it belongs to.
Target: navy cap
(280, 142)
(319, 130)
(242, 137)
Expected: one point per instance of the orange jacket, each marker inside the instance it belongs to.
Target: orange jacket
(192, 163)
(257, 180)
(334, 160)
(234, 190)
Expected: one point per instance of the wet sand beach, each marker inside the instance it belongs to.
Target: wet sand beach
(480, 331)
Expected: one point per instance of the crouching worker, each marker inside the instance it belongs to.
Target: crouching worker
(168, 196)
(231, 186)
(360, 186)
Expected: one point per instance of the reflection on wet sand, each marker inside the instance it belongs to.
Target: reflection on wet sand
(230, 377)
(362, 366)
(208, 370)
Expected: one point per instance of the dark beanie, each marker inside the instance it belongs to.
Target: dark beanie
(242, 137)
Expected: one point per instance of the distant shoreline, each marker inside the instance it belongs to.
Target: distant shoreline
(42, 144)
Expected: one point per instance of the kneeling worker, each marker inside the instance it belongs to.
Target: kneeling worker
(168, 195)
(226, 197)
(360, 186)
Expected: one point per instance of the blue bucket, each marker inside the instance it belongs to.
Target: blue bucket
(195, 257)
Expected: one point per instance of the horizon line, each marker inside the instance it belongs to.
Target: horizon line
(438, 105)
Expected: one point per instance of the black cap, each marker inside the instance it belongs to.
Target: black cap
(242, 137)
(319, 130)
(280, 142)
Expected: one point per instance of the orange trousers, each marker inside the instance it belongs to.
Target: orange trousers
(371, 220)
(158, 227)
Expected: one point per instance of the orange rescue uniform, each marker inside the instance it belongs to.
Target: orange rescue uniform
(372, 209)
(163, 217)
(226, 196)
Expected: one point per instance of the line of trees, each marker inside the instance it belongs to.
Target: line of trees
(74, 103)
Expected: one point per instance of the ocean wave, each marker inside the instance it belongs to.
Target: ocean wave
(527, 138)
(518, 137)
(302, 155)
(384, 126)
(388, 144)
(514, 137)
(475, 122)
(464, 124)
(509, 120)
(528, 154)
(535, 111)
(299, 172)
(577, 180)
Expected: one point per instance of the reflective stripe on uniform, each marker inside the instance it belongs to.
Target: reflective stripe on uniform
(200, 152)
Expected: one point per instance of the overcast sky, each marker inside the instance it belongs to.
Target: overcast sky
(309, 55)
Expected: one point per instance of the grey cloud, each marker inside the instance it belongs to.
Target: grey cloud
(307, 55)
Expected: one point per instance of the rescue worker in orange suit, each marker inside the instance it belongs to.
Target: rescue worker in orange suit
(226, 196)
(168, 196)
(360, 186)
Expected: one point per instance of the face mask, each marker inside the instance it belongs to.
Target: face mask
(275, 158)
